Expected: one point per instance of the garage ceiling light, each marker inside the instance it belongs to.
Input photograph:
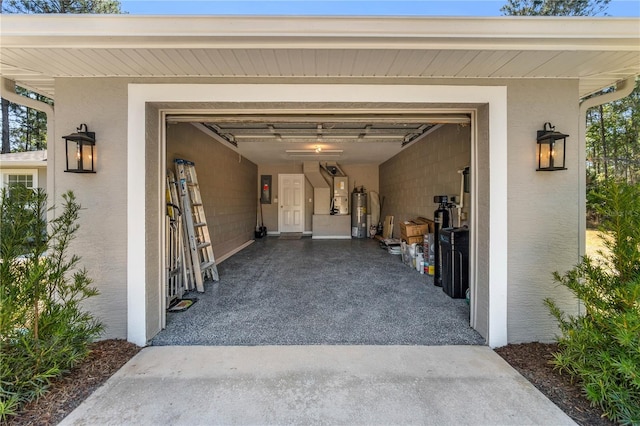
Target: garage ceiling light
(324, 153)
(314, 151)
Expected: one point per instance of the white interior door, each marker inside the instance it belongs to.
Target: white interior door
(291, 202)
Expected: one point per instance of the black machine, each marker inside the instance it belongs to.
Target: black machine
(441, 219)
(454, 244)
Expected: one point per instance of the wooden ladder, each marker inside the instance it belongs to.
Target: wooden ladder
(197, 238)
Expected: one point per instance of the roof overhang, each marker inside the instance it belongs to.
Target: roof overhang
(36, 49)
(27, 159)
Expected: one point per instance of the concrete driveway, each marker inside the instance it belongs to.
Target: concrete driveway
(354, 385)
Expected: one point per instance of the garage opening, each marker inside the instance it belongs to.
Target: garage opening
(328, 282)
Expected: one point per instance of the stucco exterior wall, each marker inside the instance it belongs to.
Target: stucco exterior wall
(227, 185)
(102, 238)
(543, 207)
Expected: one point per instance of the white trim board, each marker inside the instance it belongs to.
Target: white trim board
(140, 94)
(234, 251)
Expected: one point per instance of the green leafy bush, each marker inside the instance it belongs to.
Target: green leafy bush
(601, 347)
(43, 329)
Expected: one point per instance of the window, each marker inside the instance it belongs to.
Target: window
(28, 178)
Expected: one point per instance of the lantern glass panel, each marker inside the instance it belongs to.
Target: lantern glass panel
(73, 155)
(87, 157)
(558, 153)
(544, 154)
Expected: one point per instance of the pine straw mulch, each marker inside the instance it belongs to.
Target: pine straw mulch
(530, 359)
(66, 393)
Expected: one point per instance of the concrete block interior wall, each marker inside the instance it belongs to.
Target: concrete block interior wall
(411, 179)
(227, 185)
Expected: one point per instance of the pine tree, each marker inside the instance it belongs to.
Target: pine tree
(24, 129)
(61, 6)
(554, 7)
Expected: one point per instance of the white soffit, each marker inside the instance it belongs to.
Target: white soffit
(35, 49)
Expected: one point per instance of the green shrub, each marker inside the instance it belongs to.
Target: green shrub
(601, 347)
(43, 329)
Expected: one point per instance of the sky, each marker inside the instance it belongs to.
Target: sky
(617, 8)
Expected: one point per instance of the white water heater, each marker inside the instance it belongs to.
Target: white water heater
(359, 215)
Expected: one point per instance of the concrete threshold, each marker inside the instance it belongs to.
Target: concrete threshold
(354, 385)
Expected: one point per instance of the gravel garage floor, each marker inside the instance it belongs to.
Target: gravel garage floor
(319, 292)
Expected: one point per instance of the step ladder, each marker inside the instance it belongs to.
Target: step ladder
(197, 239)
(175, 260)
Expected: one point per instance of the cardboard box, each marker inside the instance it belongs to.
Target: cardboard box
(413, 239)
(413, 229)
(431, 224)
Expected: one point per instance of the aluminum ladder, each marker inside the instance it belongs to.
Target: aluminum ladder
(197, 239)
(175, 259)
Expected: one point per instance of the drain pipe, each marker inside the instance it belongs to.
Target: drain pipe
(623, 89)
(8, 92)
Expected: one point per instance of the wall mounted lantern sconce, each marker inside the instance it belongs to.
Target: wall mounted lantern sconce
(551, 149)
(80, 148)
